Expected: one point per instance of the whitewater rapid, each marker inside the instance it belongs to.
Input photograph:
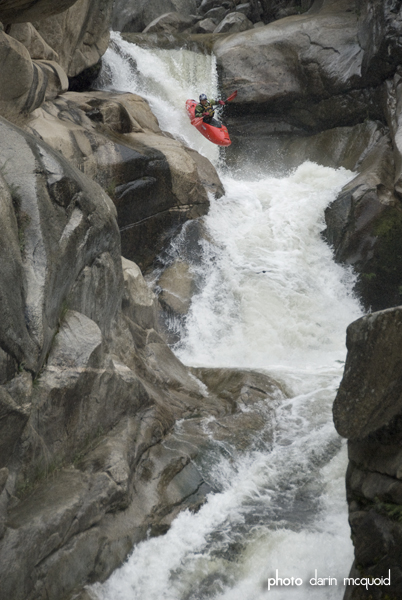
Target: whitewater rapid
(271, 299)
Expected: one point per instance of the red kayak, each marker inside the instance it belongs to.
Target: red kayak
(217, 135)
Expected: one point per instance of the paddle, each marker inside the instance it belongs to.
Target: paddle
(197, 120)
(232, 96)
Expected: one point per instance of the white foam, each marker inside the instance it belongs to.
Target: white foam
(273, 295)
(272, 299)
(166, 78)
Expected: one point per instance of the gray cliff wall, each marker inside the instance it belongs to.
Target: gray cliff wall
(88, 388)
(368, 411)
(327, 75)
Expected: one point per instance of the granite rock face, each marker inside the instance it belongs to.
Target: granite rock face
(155, 182)
(138, 14)
(38, 56)
(89, 389)
(79, 35)
(91, 454)
(306, 68)
(37, 80)
(368, 411)
(21, 11)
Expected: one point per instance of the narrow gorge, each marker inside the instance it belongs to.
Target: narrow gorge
(172, 340)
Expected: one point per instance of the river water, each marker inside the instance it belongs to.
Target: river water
(271, 299)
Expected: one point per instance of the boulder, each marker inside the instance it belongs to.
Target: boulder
(135, 15)
(273, 10)
(309, 70)
(37, 80)
(248, 399)
(27, 35)
(392, 102)
(379, 31)
(244, 8)
(16, 341)
(367, 410)
(139, 303)
(172, 22)
(178, 286)
(369, 398)
(205, 26)
(79, 35)
(20, 11)
(47, 258)
(207, 5)
(216, 14)
(364, 224)
(80, 428)
(233, 23)
(155, 182)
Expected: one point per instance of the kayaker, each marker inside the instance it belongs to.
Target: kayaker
(205, 109)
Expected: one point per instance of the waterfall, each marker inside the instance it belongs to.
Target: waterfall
(272, 299)
(166, 78)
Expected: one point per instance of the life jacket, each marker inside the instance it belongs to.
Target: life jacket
(208, 107)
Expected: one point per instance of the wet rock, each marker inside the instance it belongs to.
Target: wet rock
(369, 397)
(139, 303)
(273, 142)
(169, 23)
(178, 286)
(273, 10)
(136, 15)
(367, 410)
(155, 182)
(208, 176)
(233, 23)
(244, 8)
(249, 398)
(205, 26)
(8, 367)
(175, 288)
(51, 256)
(3, 478)
(313, 66)
(12, 422)
(363, 226)
(216, 14)
(392, 103)
(207, 5)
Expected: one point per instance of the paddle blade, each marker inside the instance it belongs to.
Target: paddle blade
(196, 121)
(232, 96)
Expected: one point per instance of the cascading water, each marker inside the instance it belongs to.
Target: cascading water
(166, 79)
(272, 299)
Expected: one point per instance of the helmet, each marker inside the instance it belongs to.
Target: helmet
(203, 97)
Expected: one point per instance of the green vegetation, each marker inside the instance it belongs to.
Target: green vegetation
(392, 511)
